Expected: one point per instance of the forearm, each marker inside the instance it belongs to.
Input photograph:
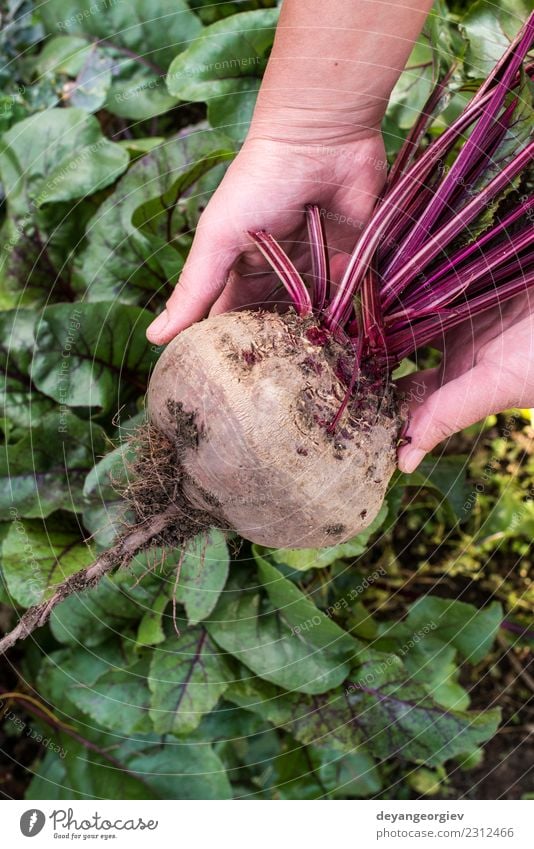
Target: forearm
(333, 66)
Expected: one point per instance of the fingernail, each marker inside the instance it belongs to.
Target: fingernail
(411, 457)
(159, 323)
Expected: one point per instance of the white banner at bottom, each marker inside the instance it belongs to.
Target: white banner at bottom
(255, 824)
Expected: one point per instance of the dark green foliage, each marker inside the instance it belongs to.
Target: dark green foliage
(264, 674)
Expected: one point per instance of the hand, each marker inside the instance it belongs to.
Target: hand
(314, 138)
(267, 187)
(487, 367)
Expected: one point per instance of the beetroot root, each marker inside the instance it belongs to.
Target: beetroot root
(249, 400)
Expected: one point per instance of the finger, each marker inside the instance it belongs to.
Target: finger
(241, 292)
(414, 389)
(202, 280)
(456, 405)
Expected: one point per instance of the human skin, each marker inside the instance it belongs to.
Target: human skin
(487, 366)
(315, 137)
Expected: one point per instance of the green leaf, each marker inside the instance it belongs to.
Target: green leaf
(138, 147)
(137, 88)
(413, 86)
(399, 717)
(181, 771)
(430, 637)
(510, 516)
(318, 558)
(324, 720)
(115, 766)
(152, 768)
(379, 706)
(57, 155)
(470, 630)
(299, 611)
(92, 82)
(427, 658)
(20, 405)
(119, 262)
(17, 340)
(425, 782)
(64, 54)
(83, 351)
(203, 574)
(46, 469)
(446, 476)
(188, 675)
(229, 724)
(440, 677)
(448, 44)
(79, 665)
(74, 773)
(37, 255)
(155, 29)
(105, 511)
(208, 12)
(489, 29)
(148, 215)
(159, 217)
(290, 776)
(138, 94)
(150, 631)
(116, 604)
(266, 641)
(353, 774)
(118, 700)
(223, 67)
(83, 172)
(38, 556)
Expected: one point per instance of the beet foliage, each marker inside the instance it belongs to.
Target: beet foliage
(313, 664)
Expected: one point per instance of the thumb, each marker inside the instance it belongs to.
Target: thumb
(454, 406)
(202, 280)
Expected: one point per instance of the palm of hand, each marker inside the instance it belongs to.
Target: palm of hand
(267, 188)
(487, 367)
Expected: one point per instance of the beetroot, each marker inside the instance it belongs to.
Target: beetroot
(255, 397)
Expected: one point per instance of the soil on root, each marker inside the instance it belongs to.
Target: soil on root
(318, 352)
(157, 478)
